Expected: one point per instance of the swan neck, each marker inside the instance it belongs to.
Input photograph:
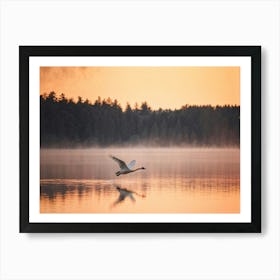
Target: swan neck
(137, 169)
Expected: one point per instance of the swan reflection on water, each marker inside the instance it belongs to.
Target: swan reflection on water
(124, 193)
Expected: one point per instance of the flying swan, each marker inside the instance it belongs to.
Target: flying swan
(125, 169)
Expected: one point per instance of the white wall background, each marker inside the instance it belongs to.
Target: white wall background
(139, 256)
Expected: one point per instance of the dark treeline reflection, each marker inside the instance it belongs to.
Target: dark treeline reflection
(52, 189)
(104, 123)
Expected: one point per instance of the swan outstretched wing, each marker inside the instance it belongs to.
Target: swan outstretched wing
(121, 163)
(131, 164)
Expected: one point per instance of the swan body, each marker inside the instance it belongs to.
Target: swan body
(125, 168)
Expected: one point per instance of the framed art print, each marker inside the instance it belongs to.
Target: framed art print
(140, 138)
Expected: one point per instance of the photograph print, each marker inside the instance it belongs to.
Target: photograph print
(143, 140)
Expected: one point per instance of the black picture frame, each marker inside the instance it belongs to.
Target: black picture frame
(254, 52)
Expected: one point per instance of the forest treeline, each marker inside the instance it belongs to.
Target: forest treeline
(105, 123)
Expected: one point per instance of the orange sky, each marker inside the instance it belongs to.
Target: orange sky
(165, 87)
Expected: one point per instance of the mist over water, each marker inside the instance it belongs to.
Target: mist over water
(176, 180)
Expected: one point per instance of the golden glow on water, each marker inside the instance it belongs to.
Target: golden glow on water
(175, 181)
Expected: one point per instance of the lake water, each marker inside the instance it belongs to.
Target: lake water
(176, 180)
